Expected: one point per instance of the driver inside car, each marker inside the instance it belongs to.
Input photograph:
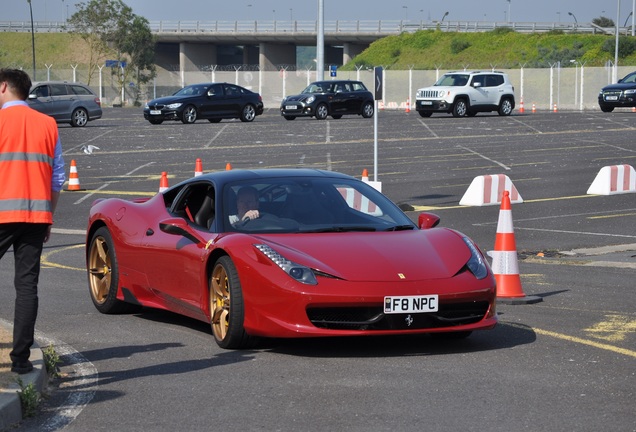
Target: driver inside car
(246, 204)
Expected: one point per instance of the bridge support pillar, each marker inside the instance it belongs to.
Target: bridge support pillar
(193, 56)
(272, 56)
(350, 50)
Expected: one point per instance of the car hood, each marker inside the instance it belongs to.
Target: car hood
(169, 99)
(301, 97)
(620, 86)
(437, 253)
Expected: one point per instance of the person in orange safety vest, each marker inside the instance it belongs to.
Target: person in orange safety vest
(32, 175)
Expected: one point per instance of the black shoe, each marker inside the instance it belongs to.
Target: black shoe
(21, 367)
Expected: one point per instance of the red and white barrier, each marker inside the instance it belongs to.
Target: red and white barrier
(488, 190)
(614, 179)
(358, 202)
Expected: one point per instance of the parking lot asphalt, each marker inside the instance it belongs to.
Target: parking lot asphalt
(572, 247)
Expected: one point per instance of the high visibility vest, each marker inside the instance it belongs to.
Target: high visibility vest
(27, 150)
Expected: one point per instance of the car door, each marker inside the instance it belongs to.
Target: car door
(494, 84)
(213, 102)
(354, 99)
(62, 102)
(175, 265)
(233, 99)
(40, 99)
(338, 98)
(479, 91)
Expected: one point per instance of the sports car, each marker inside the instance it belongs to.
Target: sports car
(286, 253)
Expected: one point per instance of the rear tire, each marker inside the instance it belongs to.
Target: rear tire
(367, 110)
(248, 114)
(505, 107)
(79, 118)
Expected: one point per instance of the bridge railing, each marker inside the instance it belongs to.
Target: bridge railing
(285, 27)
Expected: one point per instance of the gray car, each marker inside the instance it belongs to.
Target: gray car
(73, 103)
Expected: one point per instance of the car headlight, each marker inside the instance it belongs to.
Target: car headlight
(298, 272)
(310, 99)
(631, 91)
(476, 263)
(146, 107)
(174, 105)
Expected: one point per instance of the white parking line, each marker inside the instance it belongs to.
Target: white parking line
(429, 129)
(485, 157)
(105, 185)
(526, 125)
(215, 136)
(85, 142)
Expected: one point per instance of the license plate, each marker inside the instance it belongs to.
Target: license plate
(411, 304)
(290, 107)
(426, 102)
(155, 112)
(611, 98)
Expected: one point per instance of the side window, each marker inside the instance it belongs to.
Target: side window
(494, 80)
(358, 87)
(41, 91)
(80, 90)
(215, 90)
(479, 79)
(58, 90)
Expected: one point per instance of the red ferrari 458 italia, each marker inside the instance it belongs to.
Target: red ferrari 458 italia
(286, 253)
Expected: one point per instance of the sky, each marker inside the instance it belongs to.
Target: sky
(413, 10)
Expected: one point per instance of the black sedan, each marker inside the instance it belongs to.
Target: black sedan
(211, 101)
(329, 98)
(619, 95)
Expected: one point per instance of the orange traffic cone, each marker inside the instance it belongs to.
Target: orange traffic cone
(555, 108)
(198, 168)
(73, 179)
(228, 166)
(521, 108)
(534, 108)
(408, 105)
(634, 109)
(504, 259)
(365, 175)
(163, 183)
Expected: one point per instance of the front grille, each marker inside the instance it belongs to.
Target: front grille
(429, 94)
(156, 107)
(612, 93)
(368, 318)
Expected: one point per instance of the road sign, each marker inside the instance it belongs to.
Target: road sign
(332, 70)
(377, 82)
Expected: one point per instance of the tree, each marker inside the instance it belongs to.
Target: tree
(111, 28)
(603, 22)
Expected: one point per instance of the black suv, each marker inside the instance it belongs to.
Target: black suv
(621, 94)
(329, 98)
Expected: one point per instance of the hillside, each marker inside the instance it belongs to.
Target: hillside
(501, 48)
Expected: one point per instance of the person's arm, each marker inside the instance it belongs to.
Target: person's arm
(59, 176)
(55, 196)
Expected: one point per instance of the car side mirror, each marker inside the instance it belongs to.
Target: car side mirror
(427, 220)
(476, 84)
(33, 96)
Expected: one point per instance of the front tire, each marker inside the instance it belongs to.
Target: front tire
(155, 121)
(607, 108)
(189, 114)
(322, 111)
(290, 118)
(425, 113)
(79, 118)
(227, 310)
(248, 114)
(103, 274)
(368, 110)
(215, 120)
(505, 107)
(460, 108)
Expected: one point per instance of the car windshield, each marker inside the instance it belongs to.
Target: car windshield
(453, 80)
(195, 90)
(317, 88)
(631, 78)
(309, 205)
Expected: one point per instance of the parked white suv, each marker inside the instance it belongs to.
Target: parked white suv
(467, 93)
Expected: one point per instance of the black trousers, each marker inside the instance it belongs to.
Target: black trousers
(27, 240)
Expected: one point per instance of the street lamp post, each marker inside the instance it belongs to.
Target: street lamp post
(406, 13)
(618, 15)
(576, 22)
(508, 16)
(32, 38)
(445, 15)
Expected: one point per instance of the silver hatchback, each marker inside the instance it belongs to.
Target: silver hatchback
(73, 103)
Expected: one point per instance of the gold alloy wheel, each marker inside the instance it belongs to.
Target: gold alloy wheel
(220, 302)
(99, 265)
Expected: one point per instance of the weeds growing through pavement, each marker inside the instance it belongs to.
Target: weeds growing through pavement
(51, 360)
(29, 398)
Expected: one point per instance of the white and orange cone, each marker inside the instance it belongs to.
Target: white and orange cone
(521, 108)
(365, 175)
(73, 178)
(534, 108)
(228, 166)
(505, 266)
(408, 105)
(198, 168)
(163, 183)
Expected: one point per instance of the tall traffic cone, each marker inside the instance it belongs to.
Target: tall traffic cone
(365, 175)
(408, 105)
(198, 168)
(521, 108)
(555, 108)
(634, 109)
(504, 259)
(228, 166)
(163, 183)
(534, 108)
(73, 179)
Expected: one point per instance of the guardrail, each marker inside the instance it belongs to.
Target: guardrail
(380, 27)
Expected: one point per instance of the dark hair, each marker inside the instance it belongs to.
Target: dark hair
(17, 80)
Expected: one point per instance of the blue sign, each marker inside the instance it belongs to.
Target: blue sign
(114, 63)
(332, 70)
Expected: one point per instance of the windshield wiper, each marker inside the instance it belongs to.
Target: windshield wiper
(360, 228)
(400, 228)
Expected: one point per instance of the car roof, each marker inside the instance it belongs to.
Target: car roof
(222, 177)
(474, 72)
(335, 81)
(33, 84)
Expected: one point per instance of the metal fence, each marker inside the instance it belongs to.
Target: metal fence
(569, 88)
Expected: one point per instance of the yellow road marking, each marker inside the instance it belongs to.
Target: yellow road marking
(614, 329)
(612, 216)
(578, 340)
(113, 192)
(46, 263)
